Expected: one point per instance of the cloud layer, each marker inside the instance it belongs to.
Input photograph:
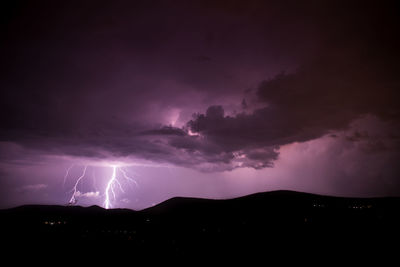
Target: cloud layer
(255, 75)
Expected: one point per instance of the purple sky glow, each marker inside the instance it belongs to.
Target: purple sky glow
(211, 99)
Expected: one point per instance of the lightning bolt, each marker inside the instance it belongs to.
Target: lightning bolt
(67, 174)
(127, 177)
(73, 200)
(107, 202)
(119, 177)
(110, 190)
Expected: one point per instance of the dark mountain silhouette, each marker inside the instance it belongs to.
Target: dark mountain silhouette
(180, 225)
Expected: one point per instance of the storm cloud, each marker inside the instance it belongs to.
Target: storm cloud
(210, 86)
(213, 99)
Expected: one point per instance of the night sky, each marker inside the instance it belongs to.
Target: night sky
(212, 99)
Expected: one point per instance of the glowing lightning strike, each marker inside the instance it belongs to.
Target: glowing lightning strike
(115, 184)
(73, 200)
(67, 174)
(127, 177)
(110, 188)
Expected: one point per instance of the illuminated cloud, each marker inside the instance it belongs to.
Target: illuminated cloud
(87, 194)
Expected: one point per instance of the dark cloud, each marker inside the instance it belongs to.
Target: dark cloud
(357, 136)
(306, 105)
(351, 76)
(166, 130)
(106, 83)
(203, 58)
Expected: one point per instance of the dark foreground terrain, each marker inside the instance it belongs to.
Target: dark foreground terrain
(257, 222)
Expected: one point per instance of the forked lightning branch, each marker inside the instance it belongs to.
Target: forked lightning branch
(115, 184)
